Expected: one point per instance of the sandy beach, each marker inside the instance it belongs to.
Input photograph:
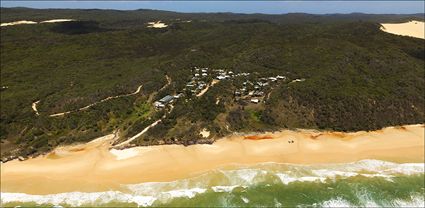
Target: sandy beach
(94, 167)
(413, 28)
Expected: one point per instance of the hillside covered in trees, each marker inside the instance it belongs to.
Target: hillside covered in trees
(105, 70)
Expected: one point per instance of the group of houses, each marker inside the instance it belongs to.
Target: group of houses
(222, 74)
(254, 91)
(202, 75)
(252, 88)
(198, 81)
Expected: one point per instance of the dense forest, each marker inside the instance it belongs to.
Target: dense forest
(352, 76)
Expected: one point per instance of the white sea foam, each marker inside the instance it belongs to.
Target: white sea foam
(415, 201)
(374, 168)
(190, 193)
(338, 202)
(277, 203)
(407, 168)
(76, 199)
(286, 179)
(245, 174)
(245, 200)
(148, 194)
(223, 188)
(332, 173)
(384, 167)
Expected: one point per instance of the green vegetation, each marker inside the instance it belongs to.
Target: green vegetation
(356, 76)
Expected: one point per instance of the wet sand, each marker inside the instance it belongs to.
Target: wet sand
(93, 167)
(413, 28)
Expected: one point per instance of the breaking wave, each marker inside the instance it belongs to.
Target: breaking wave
(369, 183)
(414, 201)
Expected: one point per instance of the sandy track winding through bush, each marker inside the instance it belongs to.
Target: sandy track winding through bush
(144, 130)
(88, 106)
(206, 89)
(138, 134)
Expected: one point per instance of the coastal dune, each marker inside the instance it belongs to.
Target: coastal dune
(95, 167)
(413, 28)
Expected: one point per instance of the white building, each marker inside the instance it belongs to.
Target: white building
(220, 77)
(158, 105)
(254, 100)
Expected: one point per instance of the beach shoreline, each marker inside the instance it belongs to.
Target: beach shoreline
(96, 167)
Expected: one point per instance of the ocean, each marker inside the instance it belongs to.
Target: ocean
(366, 183)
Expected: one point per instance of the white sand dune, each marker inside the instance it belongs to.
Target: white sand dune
(26, 22)
(57, 20)
(21, 22)
(413, 29)
(157, 24)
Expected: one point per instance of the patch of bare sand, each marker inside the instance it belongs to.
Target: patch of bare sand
(412, 28)
(26, 22)
(22, 22)
(157, 24)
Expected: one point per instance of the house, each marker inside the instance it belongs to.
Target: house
(158, 104)
(178, 96)
(196, 75)
(273, 79)
(254, 100)
(280, 77)
(298, 80)
(204, 74)
(203, 71)
(258, 93)
(262, 84)
(221, 77)
(167, 99)
(190, 85)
